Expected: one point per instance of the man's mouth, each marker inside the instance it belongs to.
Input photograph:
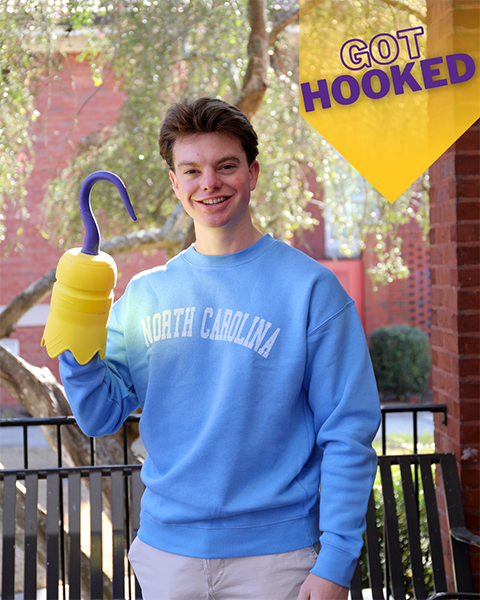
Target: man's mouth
(214, 200)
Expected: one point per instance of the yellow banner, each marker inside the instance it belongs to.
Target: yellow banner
(387, 100)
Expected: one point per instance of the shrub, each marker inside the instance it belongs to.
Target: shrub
(401, 361)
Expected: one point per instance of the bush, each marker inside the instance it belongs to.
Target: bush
(401, 361)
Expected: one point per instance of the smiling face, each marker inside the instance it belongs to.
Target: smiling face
(213, 181)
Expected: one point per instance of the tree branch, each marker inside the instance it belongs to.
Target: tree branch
(289, 18)
(30, 296)
(255, 82)
(402, 6)
(294, 15)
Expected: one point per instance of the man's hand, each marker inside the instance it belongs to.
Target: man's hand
(317, 588)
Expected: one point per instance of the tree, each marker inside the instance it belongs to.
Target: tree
(162, 50)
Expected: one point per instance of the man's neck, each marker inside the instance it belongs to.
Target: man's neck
(219, 241)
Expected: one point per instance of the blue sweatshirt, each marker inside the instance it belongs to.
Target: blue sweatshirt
(255, 383)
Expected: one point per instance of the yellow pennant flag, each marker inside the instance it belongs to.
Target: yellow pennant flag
(390, 99)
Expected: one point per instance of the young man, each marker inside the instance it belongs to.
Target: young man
(251, 367)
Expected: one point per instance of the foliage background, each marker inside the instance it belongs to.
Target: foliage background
(162, 50)
(401, 360)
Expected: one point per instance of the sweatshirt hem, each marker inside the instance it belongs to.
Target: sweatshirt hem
(230, 542)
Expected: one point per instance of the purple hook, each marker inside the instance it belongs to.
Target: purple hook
(91, 242)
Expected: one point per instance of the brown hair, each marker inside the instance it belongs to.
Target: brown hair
(206, 115)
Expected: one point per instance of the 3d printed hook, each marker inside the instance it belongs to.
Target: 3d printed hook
(91, 242)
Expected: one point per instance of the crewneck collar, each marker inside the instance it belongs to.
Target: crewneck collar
(229, 260)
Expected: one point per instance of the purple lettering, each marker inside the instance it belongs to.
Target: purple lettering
(387, 49)
(452, 60)
(367, 84)
(400, 78)
(410, 35)
(321, 94)
(429, 73)
(337, 90)
(354, 55)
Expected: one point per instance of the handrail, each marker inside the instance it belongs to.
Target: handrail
(40, 421)
(64, 472)
(410, 408)
(60, 421)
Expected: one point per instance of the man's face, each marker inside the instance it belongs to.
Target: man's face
(213, 180)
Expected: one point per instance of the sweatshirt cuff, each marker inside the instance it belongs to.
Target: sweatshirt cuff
(67, 358)
(335, 565)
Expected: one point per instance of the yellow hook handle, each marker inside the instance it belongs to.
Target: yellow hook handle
(82, 295)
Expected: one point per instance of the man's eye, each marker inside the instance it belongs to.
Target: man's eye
(227, 167)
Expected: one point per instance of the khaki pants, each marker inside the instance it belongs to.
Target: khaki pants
(165, 576)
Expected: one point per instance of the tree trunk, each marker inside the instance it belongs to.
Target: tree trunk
(255, 83)
(40, 394)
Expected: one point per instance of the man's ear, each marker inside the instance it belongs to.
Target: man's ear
(173, 179)
(253, 169)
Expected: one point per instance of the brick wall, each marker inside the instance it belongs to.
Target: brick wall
(454, 25)
(401, 302)
(455, 276)
(404, 301)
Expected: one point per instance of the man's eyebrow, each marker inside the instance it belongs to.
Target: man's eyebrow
(188, 163)
(231, 158)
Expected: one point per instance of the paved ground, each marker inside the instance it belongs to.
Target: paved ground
(12, 436)
(11, 449)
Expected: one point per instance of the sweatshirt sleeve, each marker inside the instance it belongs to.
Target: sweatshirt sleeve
(344, 399)
(101, 393)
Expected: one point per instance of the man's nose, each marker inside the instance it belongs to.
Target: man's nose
(210, 180)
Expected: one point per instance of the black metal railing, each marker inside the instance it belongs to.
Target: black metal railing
(415, 409)
(59, 422)
(88, 471)
(63, 558)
